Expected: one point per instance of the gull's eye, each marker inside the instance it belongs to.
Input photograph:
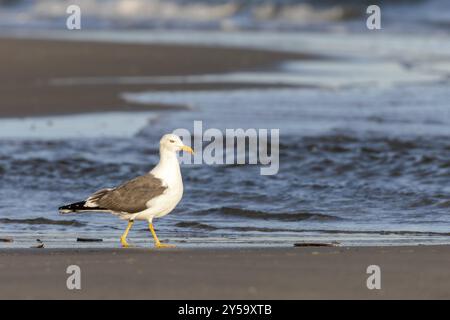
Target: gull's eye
(172, 141)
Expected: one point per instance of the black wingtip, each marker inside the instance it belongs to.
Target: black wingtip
(74, 207)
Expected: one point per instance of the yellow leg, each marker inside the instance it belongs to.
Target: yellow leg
(123, 238)
(157, 243)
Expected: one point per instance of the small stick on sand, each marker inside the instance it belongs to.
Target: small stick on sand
(89, 240)
(315, 244)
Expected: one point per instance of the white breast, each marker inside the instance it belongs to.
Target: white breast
(170, 174)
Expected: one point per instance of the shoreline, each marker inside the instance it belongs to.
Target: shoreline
(68, 240)
(28, 68)
(419, 272)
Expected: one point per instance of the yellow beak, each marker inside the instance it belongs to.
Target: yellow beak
(187, 149)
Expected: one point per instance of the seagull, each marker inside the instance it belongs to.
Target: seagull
(146, 197)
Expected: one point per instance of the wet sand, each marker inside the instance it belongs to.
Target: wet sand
(28, 69)
(264, 273)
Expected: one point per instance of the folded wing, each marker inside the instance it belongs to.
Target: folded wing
(130, 197)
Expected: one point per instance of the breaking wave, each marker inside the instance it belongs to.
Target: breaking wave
(43, 221)
(255, 214)
(195, 225)
(236, 14)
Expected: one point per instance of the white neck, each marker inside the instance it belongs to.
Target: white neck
(168, 168)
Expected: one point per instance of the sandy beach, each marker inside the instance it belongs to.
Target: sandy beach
(28, 67)
(265, 273)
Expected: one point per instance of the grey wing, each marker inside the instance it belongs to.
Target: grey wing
(130, 197)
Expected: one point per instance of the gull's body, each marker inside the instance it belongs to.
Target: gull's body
(169, 172)
(150, 196)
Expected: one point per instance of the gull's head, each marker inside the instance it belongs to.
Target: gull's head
(173, 143)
